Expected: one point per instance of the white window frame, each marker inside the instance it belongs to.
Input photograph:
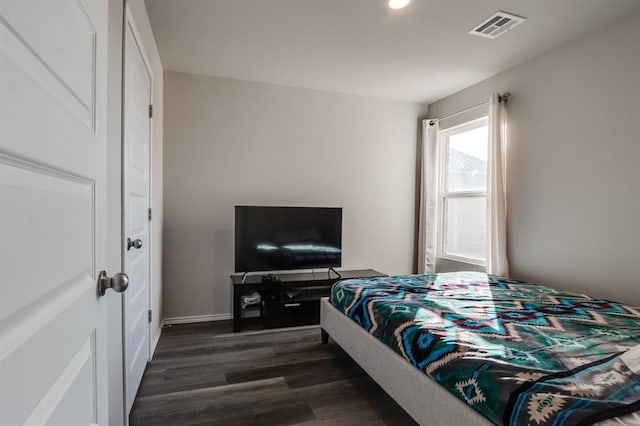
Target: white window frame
(443, 194)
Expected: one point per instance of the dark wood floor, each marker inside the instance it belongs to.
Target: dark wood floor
(203, 374)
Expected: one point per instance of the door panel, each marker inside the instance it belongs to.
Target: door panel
(54, 41)
(137, 97)
(52, 202)
(47, 203)
(137, 214)
(42, 342)
(72, 404)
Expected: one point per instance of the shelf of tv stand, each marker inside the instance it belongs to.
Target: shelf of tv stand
(279, 310)
(307, 295)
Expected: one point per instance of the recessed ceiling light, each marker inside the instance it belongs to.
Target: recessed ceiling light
(398, 4)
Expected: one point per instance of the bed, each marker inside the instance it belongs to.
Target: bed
(468, 348)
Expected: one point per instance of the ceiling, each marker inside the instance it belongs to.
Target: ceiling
(421, 53)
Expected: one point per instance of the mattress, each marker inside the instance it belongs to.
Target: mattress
(515, 352)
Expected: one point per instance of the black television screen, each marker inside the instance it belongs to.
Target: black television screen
(284, 238)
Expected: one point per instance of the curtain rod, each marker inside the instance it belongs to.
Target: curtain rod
(501, 98)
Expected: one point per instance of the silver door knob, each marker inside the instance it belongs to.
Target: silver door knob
(119, 282)
(134, 243)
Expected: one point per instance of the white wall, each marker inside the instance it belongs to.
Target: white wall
(573, 162)
(230, 142)
(139, 13)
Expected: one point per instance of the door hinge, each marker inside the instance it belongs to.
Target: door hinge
(149, 314)
(149, 214)
(150, 111)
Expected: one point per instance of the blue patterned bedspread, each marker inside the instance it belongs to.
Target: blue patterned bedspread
(518, 353)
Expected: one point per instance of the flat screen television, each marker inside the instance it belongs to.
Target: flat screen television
(285, 238)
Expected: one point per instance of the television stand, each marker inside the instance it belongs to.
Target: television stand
(293, 300)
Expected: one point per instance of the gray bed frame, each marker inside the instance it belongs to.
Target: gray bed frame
(419, 395)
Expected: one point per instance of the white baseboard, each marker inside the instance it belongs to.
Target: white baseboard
(196, 318)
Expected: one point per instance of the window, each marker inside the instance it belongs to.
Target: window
(462, 199)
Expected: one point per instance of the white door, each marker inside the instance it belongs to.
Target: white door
(137, 97)
(52, 211)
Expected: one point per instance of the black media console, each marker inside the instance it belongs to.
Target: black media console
(289, 299)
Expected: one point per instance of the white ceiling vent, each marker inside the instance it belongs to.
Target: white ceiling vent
(497, 24)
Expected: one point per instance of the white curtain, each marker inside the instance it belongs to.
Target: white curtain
(497, 261)
(427, 230)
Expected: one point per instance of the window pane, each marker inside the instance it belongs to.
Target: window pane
(466, 226)
(467, 160)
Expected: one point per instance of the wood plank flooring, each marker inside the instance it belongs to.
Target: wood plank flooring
(202, 374)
